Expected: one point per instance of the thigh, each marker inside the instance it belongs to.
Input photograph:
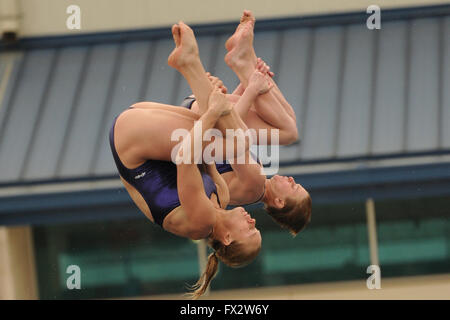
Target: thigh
(177, 109)
(255, 122)
(264, 130)
(145, 133)
(233, 98)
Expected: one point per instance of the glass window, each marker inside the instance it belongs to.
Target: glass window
(116, 259)
(136, 258)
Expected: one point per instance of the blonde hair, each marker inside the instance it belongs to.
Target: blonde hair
(234, 255)
(294, 216)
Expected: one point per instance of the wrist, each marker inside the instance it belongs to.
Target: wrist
(251, 90)
(211, 115)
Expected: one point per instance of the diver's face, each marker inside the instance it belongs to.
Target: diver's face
(285, 187)
(242, 226)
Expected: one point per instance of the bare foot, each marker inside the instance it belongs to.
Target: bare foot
(247, 16)
(240, 44)
(186, 48)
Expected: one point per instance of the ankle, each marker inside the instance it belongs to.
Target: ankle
(189, 65)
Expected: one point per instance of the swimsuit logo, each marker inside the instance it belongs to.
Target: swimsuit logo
(140, 175)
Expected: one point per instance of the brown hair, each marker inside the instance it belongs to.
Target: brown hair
(234, 255)
(294, 216)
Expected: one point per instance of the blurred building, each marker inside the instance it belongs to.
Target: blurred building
(373, 111)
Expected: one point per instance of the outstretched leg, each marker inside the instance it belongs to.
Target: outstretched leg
(271, 109)
(259, 83)
(186, 60)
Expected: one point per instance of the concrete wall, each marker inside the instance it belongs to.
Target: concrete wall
(48, 17)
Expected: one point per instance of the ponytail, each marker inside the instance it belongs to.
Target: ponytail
(202, 284)
(233, 255)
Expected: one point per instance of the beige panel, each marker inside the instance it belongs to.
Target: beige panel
(7, 284)
(45, 17)
(17, 264)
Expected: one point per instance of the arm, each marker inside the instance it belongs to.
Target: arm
(222, 188)
(271, 110)
(239, 90)
(257, 113)
(283, 116)
(199, 210)
(246, 182)
(258, 84)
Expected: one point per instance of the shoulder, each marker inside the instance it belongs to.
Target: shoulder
(247, 193)
(254, 192)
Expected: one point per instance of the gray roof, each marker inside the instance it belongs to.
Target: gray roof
(356, 92)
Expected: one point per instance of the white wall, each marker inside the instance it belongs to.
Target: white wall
(48, 17)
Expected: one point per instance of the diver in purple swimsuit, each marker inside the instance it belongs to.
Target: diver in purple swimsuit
(156, 181)
(247, 185)
(193, 207)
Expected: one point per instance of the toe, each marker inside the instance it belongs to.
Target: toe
(176, 34)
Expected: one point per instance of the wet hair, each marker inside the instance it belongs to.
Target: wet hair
(294, 216)
(233, 255)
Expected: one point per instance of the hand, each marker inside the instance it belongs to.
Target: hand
(217, 82)
(260, 82)
(218, 103)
